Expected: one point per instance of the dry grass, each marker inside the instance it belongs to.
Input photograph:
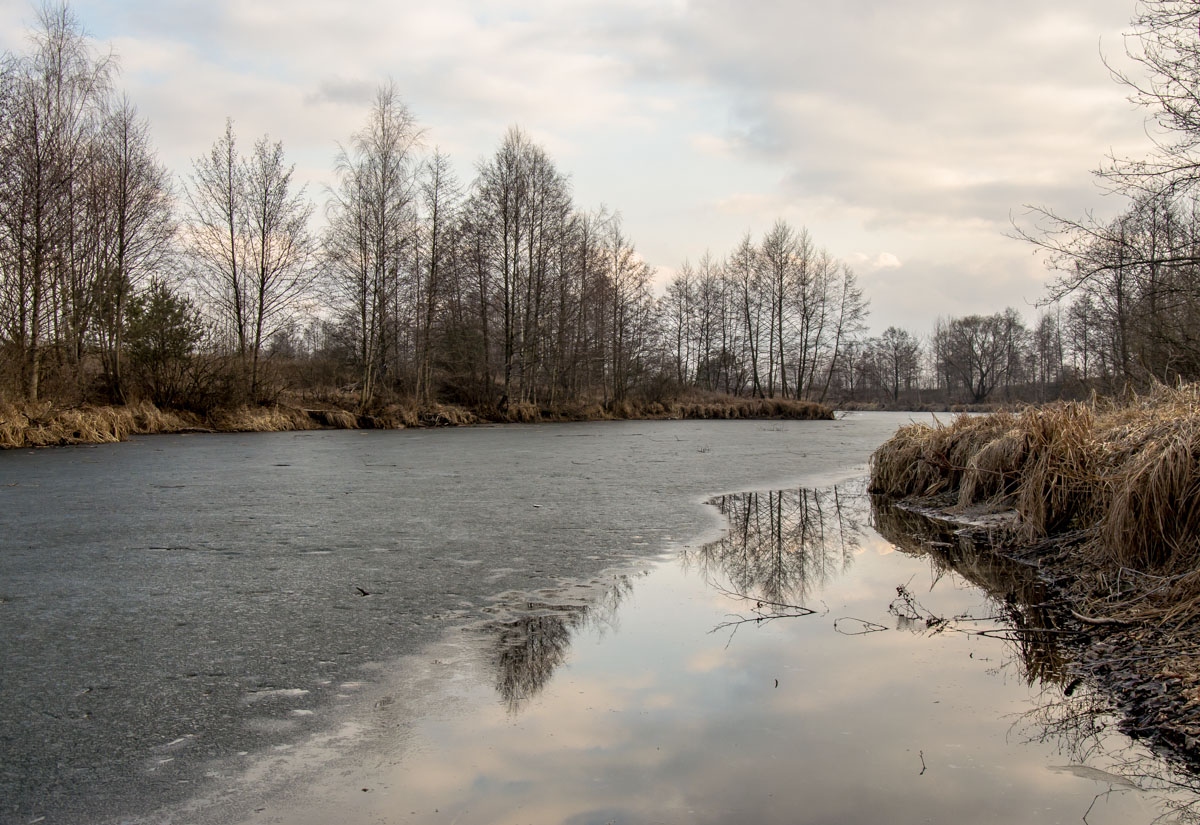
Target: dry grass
(272, 419)
(924, 461)
(334, 418)
(44, 425)
(40, 425)
(1128, 474)
(742, 408)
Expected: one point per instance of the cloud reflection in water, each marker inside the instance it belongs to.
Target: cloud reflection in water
(655, 719)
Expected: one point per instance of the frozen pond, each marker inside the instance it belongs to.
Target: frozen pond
(516, 624)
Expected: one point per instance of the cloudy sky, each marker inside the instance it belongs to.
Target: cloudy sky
(904, 134)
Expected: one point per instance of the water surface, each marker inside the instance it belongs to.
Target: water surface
(554, 629)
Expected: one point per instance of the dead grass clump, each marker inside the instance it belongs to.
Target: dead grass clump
(963, 440)
(446, 415)
(272, 419)
(1152, 517)
(147, 419)
(1127, 472)
(43, 425)
(15, 423)
(993, 472)
(622, 409)
(398, 417)
(335, 418)
(729, 408)
(1039, 462)
(923, 461)
(522, 412)
(1058, 485)
(898, 465)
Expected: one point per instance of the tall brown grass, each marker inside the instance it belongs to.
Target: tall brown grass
(44, 425)
(1126, 473)
(262, 419)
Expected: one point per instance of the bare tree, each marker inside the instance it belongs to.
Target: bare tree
(134, 228)
(779, 254)
(249, 243)
(524, 205)
(280, 252)
(744, 273)
(629, 309)
(1163, 43)
(440, 195)
(848, 310)
(371, 230)
(216, 237)
(896, 358)
(53, 98)
(977, 352)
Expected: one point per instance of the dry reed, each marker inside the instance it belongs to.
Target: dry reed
(44, 425)
(1127, 473)
(272, 419)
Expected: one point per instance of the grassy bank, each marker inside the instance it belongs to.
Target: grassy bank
(1126, 475)
(1103, 500)
(45, 424)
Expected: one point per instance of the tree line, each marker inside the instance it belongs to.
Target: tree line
(227, 285)
(1127, 290)
(117, 280)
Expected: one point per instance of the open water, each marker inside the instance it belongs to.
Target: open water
(589, 623)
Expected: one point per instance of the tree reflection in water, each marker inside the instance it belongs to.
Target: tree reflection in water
(532, 634)
(783, 545)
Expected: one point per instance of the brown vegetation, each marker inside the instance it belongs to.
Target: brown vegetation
(1125, 473)
(1103, 500)
(43, 424)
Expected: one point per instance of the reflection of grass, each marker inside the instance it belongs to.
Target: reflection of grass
(1016, 589)
(1086, 666)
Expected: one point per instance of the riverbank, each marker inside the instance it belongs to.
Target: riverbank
(1102, 500)
(47, 424)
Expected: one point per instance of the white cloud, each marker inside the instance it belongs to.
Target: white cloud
(883, 260)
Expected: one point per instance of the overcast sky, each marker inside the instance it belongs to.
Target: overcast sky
(903, 134)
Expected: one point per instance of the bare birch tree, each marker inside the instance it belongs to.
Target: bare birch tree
(53, 98)
(216, 237)
(371, 229)
(279, 262)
